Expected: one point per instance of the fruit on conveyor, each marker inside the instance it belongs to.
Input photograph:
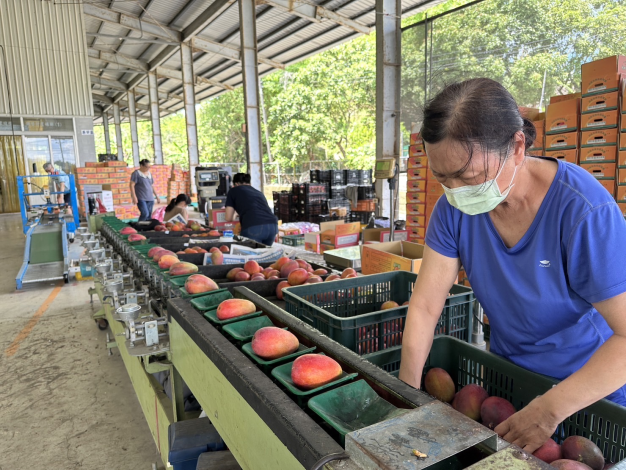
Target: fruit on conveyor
(199, 284)
(271, 343)
(439, 384)
(233, 308)
(314, 370)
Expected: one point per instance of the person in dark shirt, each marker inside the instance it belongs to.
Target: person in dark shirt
(257, 220)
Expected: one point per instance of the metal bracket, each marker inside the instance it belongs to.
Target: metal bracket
(151, 333)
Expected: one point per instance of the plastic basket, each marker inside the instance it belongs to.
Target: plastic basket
(243, 331)
(348, 311)
(293, 240)
(603, 422)
(268, 365)
(210, 300)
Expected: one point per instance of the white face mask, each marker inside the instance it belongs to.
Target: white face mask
(478, 198)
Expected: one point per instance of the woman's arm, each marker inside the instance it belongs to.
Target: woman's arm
(132, 192)
(230, 213)
(436, 277)
(603, 374)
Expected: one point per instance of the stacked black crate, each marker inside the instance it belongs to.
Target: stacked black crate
(285, 207)
(365, 177)
(311, 201)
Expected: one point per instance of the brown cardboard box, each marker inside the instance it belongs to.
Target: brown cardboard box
(602, 76)
(416, 139)
(417, 162)
(599, 137)
(622, 141)
(609, 185)
(86, 170)
(621, 159)
(391, 256)
(561, 98)
(415, 221)
(416, 185)
(431, 200)
(621, 194)
(565, 141)
(601, 170)
(570, 156)
(414, 197)
(416, 209)
(601, 102)
(433, 187)
(417, 151)
(621, 176)
(622, 208)
(598, 154)
(529, 113)
(417, 173)
(599, 120)
(563, 116)
(381, 235)
(417, 232)
(419, 241)
(340, 235)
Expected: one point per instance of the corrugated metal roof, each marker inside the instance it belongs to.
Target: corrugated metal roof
(282, 37)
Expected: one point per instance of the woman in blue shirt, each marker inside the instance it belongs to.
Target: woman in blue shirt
(544, 247)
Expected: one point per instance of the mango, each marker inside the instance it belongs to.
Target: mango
(232, 273)
(159, 254)
(439, 384)
(281, 261)
(286, 268)
(224, 249)
(199, 283)
(549, 452)
(167, 261)
(297, 277)
(388, 305)
(252, 267)
(333, 277)
(469, 400)
(350, 276)
(214, 249)
(271, 278)
(583, 450)
(152, 251)
(128, 231)
(160, 228)
(302, 263)
(232, 308)
(201, 250)
(271, 343)
(347, 272)
(313, 279)
(180, 268)
(242, 276)
(271, 273)
(565, 464)
(495, 410)
(135, 237)
(181, 253)
(217, 258)
(257, 277)
(279, 289)
(214, 233)
(314, 370)
(320, 272)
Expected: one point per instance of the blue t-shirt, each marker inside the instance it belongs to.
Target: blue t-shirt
(59, 176)
(538, 294)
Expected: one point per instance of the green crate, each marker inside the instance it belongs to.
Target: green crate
(183, 293)
(211, 315)
(243, 331)
(267, 365)
(388, 359)
(179, 281)
(352, 407)
(283, 375)
(348, 311)
(209, 300)
(604, 422)
(293, 240)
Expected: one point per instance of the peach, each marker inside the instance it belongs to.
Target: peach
(303, 264)
(286, 268)
(185, 236)
(469, 400)
(272, 273)
(271, 278)
(346, 272)
(224, 249)
(214, 249)
(199, 283)
(314, 280)
(314, 370)
(389, 305)
(169, 224)
(309, 269)
(242, 276)
(333, 277)
(320, 272)
(297, 277)
(257, 277)
(214, 233)
(135, 237)
(180, 268)
(271, 343)
(583, 450)
(564, 464)
(549, 452)
(279, 289)
(232, 308)
(281, 262)
(152, 251)
(231, 274)
(252, 267)
(439, 384)
(217, 258)
(495, 410)
(167, 261)
(128, 231)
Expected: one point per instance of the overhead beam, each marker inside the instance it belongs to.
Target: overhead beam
(317, 13)
(119, 59)
(116, 85)
(230, 52)
(178, 75)
(115, 70)
(131, 22)
(130, 38)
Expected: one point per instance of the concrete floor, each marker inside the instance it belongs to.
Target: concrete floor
(64, 403)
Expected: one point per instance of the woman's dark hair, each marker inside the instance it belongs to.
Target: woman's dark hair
(246, 179)
(144, 162)
(479, 114)
(237, 178)
(176, 200)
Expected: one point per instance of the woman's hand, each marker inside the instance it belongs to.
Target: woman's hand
(530, 427)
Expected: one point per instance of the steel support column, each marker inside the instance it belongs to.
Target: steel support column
(132, 114)
(107, 137)
(388, 63)
(249, 60)
(189, 94)
(118, 131)
(156, 118)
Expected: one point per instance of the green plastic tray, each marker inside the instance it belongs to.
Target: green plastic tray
(179, 281)
(210, 300)
(351, 407)
(283, 375)
(185, 295)
(243, 331)
(211, 315)
(143, 249)
(266, 366)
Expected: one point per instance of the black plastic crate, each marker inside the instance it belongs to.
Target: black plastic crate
(361, 217)
(310, 209)
(337, 192)
(336, 177)
(351, 176)
(314, 176)
(365, 177)
(366, 192)
(314, 199)
(323, 176)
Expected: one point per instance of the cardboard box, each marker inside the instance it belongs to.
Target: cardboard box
(414, 197)
(416, 138)
(621, 194)
(84, 170)
(536, 152)
(312, 242)
(391, 256)
(419, 241)
(601, 170)
(561, 98)
(529, 113)
(417, 173)
(339, 235)
(621, 159)
(382, 235)
(431, 200)
(417, 232)
(434, 187)
(565, 141)
(599, 120)
(416, 221)
(563, 116)
(416, 209)
(599, 138)
(217, 218)
(417, 162)
(601, 102)
(622, 208)
(602, 76)
(570, 156)
(417, 151)
(609, 185)
(621, 177)
(416, 185)
(622, 141)
(598, 154)
(116, 164)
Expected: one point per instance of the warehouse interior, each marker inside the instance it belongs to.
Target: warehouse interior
(203, 316)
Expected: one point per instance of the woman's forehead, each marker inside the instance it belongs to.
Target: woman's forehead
(451, 158)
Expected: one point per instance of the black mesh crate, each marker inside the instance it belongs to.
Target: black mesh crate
(323, 176)
(337, 192)
(314, 176)
(314, 199)
(336, 177)
(360, 216)
(351, 176)
(311, 188)
(365, 177)
(366, 192)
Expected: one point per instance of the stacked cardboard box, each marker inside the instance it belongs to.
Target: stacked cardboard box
(539, 120)
(111, 176)
(178, 183)
(562, 128)
(621, 149)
